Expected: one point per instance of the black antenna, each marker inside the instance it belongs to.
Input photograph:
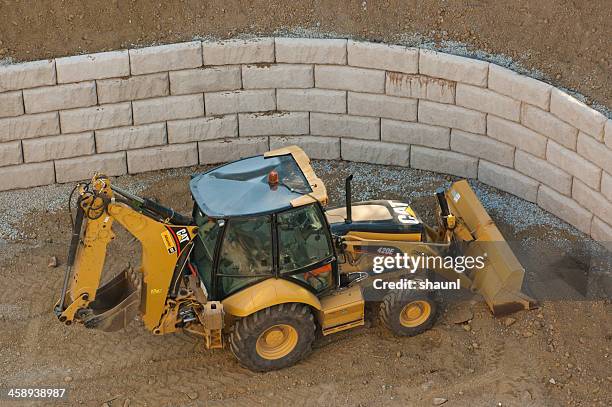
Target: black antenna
(349, 215)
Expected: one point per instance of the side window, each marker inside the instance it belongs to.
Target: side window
(204, 251)
(302, 242)
(246, 252)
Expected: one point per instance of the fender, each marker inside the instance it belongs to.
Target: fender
(268, 293)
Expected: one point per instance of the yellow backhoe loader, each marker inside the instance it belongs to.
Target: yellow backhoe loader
(262, 266)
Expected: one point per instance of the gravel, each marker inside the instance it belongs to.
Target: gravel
(369, 182)
(53, 198)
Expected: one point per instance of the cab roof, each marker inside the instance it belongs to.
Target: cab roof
(241, 188)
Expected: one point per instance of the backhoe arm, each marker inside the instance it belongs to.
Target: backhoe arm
(112, 305)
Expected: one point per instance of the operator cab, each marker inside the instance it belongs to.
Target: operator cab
(262, 217)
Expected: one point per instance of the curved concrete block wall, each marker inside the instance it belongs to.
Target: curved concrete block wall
(178, 105)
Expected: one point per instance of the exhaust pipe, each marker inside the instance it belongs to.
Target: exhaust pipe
(444, 211)
(347, 193)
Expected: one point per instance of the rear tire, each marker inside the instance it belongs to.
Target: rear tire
(408, 312)
(273, 338)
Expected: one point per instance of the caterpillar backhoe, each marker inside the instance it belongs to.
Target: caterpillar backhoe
(261, 266)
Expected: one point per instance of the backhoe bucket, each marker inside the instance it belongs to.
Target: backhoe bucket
(500, 280)
(116, 304)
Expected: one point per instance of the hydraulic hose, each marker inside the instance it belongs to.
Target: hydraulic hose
(149, 204)
(74, 242)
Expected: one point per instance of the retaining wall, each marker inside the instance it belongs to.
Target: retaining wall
(192, 103)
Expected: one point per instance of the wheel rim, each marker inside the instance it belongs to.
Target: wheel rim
(415, 313)
(277, 341)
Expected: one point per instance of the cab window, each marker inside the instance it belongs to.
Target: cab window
(302, 243)
(205, 244)
(246, 253)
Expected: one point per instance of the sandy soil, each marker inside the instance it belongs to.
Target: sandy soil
(556, 355)
(569, 41)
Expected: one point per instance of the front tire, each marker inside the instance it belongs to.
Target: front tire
(408, 312)
(273, 338)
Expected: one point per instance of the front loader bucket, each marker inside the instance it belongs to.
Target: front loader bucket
(116, 304)
(500, 280)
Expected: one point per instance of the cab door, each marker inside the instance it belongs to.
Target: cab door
(305, 251)
(245, 255)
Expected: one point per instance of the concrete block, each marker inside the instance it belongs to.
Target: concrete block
(574, 164)
(27, 75)
(481, 146)
(543, 171)
(310, 51)
(268, 76)
(608, 133)
(520, 87)
(29, 126)
(133, 88)
(168, 108)
(166, 58)
(485, 100)
(420, 87)
(11, 104)
(414, 133)
(448, 162)
(606, 185)
(342, 125)
(130, 138)
(395, 58)
(602, 232)
(210, 79)
(83, 168)
(96, 117)
(56, 147)
(202, 128)
(238, 51)
(576, 113)
(390, 107)
(452, 116)
(349, 78)
(375, 152)
(595, 202)
(311, 100)
(162, 157)
(508, 180)
(273, 124)
(452, 67)
(318, 148)
(565, 208)
(59, 97)
(26, 176)
(548, 125)
(239, 101)
(516, 135)
(10, 153)
(219, 151)
(102, 65)
(595, 152)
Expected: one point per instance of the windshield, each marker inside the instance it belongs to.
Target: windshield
(205, 244)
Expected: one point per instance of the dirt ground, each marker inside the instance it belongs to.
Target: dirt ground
(568, 41)
(558, 354)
